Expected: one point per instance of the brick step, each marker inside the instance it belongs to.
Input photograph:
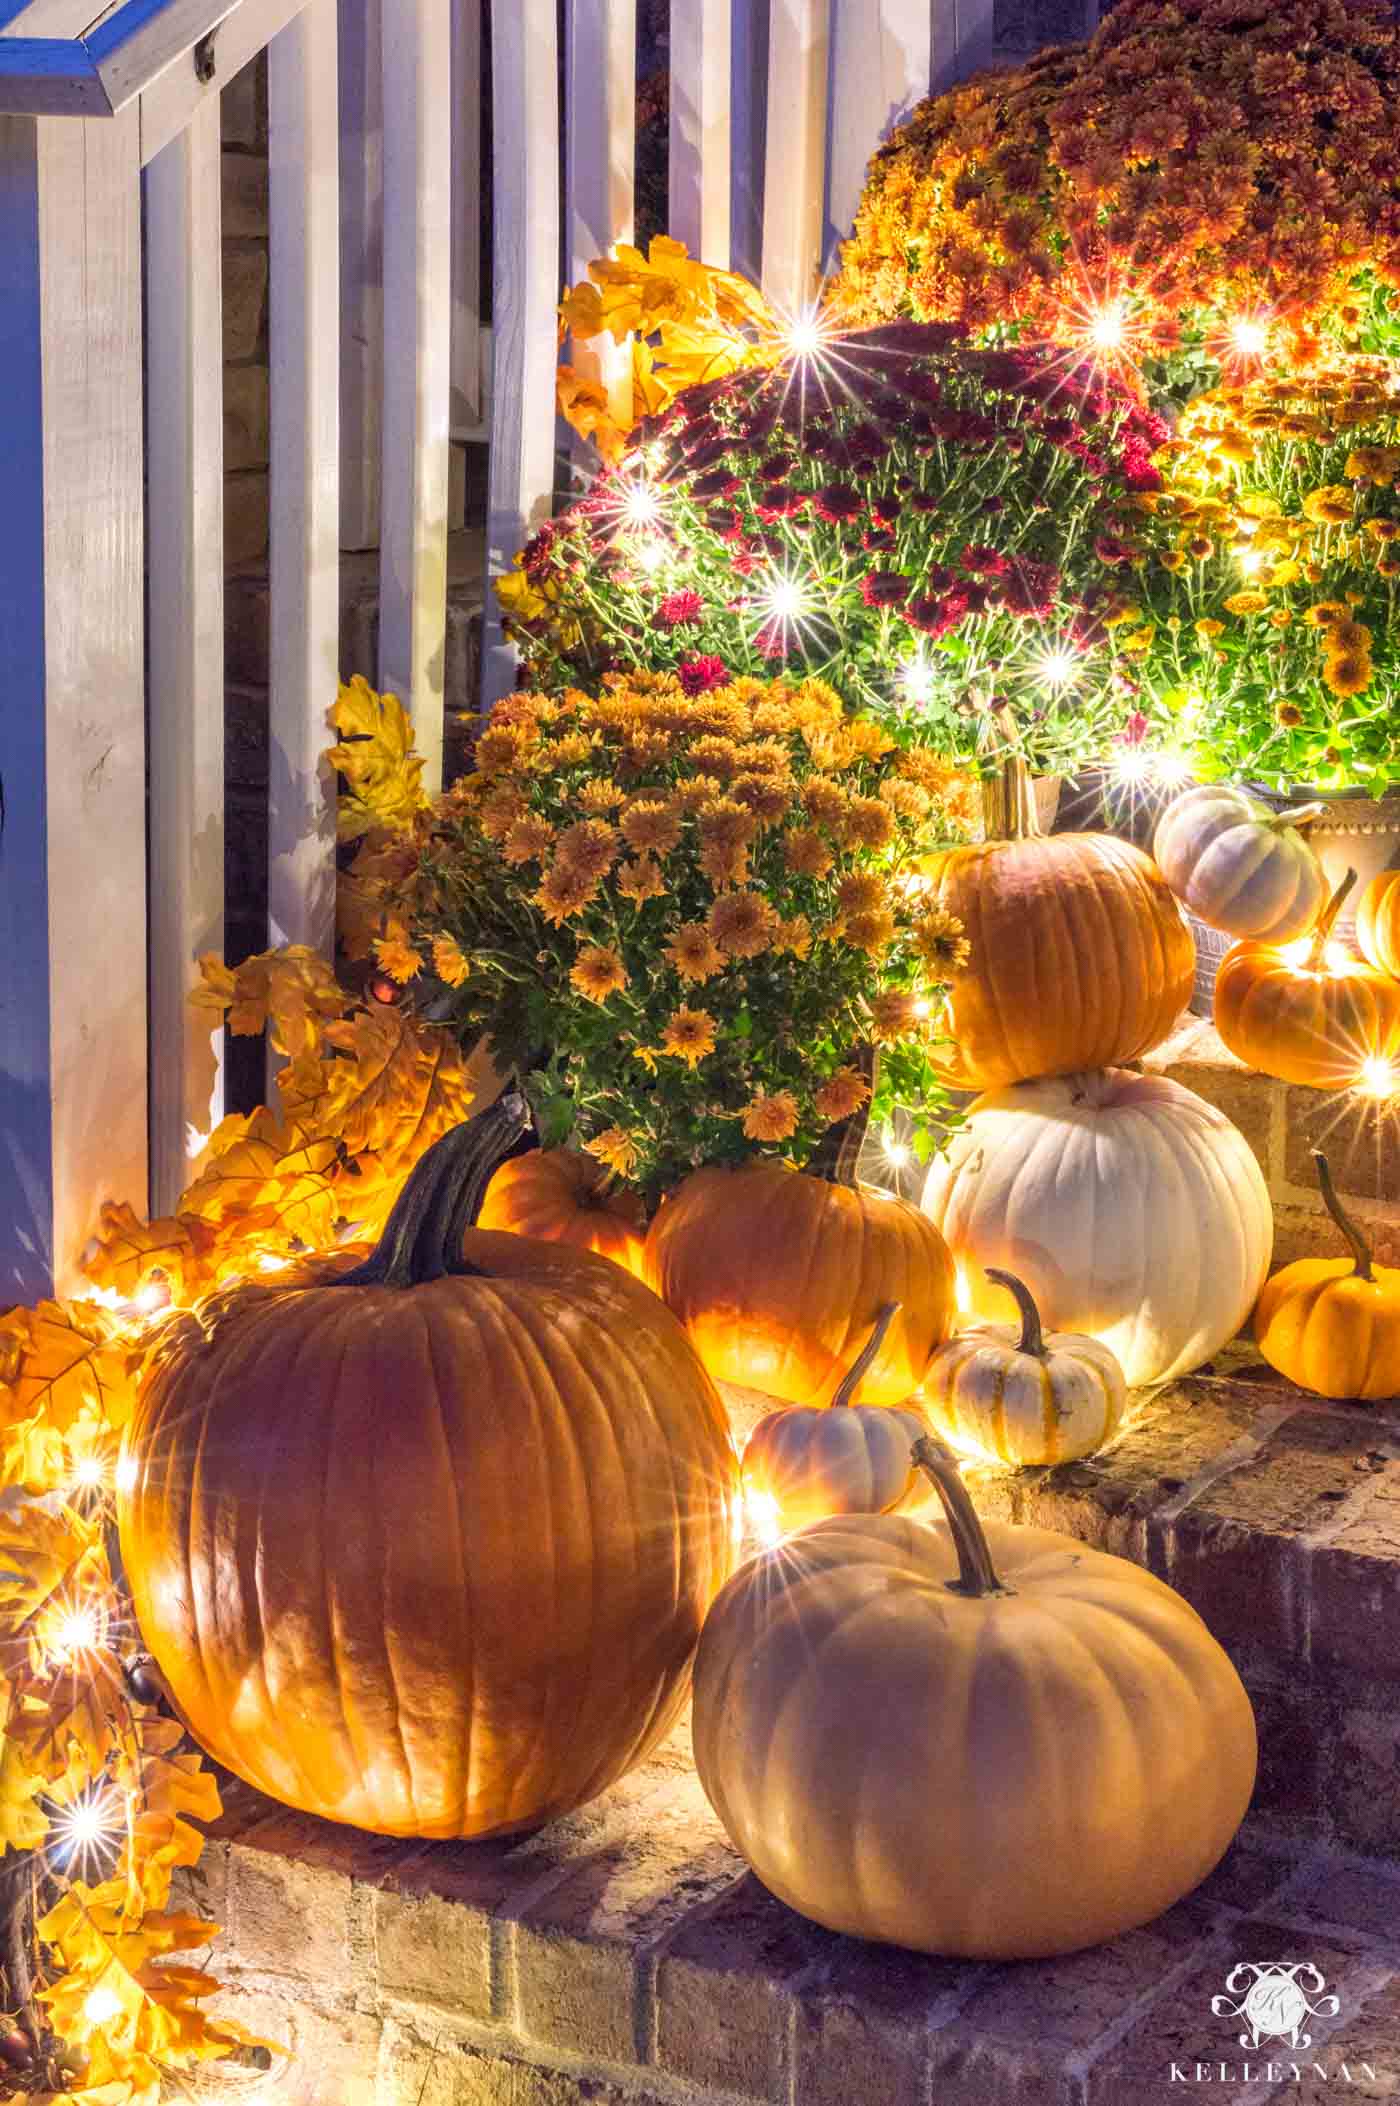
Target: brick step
(624, 1957)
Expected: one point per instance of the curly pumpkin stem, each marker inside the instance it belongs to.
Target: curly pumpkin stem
(1325, 920)
(422, 1237)
(836, 1154)
(18, 1880)
(860, 1366)
(1361, 1249)
(1032, 1339)
(976, 1573)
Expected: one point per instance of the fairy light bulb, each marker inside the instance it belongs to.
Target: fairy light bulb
(1249, 337)
(786, 600)
(803, 336)
(897, 1153)
(1132, 767)
(1378, 1078)
(641, 505)
(1108, 327)
(1249, 559)
(76, 1632)
(102, 2005)
(916, 680)
(1057, 667)
(649, 556)
(89, 1473)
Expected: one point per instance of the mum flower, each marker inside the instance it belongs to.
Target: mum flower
(843, 1094)
(770, 1116)
(941, 942)
(589, 847)
(597, 973)
(564, 893)
(742, 924)
(1349, 673)
(397, 958)
(650, 826)
(694, 953)
(615, 1148)
(528, 841)
(689, 1035)
(449, 962)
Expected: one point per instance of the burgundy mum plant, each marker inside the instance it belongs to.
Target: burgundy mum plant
(936, 530)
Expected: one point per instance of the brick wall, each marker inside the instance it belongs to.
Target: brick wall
(1282, 1124)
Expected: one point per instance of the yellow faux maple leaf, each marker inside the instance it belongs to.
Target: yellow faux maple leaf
(382, 773)
(288, 992)
(128, 1253)
(23, 1825)
(76, 1359)
(392, 1087)
(266, 1179)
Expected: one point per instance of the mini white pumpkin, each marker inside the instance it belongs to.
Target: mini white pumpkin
(1132, 1209)
(813, 1460)
(1239, 866)
(1025, 1396)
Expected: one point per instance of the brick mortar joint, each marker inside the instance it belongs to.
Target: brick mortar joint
(1211, 1943)
(1246, 1449)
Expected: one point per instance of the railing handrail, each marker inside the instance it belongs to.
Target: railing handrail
(105, 64)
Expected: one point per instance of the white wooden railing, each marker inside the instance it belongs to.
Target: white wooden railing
(111, 474)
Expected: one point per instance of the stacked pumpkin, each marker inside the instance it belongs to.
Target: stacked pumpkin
(1129, 1208)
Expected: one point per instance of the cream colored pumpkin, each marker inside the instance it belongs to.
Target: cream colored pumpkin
(810, 1461)
(1239, 866)
(991, 1742)
(1132, 1209)
(1024, 1396)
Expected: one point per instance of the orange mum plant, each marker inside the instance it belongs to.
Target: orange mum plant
(1205, 180)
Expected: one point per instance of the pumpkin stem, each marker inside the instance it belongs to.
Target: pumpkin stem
(1300, 815)
(836, 1154)
(1032, 1337)
(1008, 796)
(1325, 920)
(860, 1366)
(422, 1238)
(976, 1573)
(1361, 1249)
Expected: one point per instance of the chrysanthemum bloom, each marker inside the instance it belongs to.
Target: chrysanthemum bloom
(650, 826)
(502, 749)
(742, 924)
(869, 822)
(498, 813)
(689, 1035)
(678, 609)
(641, 880)
(794, 936)
(726, 820)
(597, 973)
(397, 958)
(725, 863)
(529, 840)
(563, 894)
(694, 953)
(1288, 714)
(807, 854)
(1333, 505)
(1325, 613)
(768, 797)
(698, 675)
(589, 846)
(894, 1013)
(941, 941)
(824, 801)
(843, 1094)
(1247, 602)
(600, 798)
(770, 1116)
(615, 1148)
(1348, 636)
(861, 892)
(449, 962)
(872, 932)
(1349, 673)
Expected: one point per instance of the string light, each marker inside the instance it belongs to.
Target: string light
(149, 1298)
(1249, 559)
(1108, 327)
(102, 2006)
(916, 680)
(783, 600)
(649, 556)
(804, 335)
(91, 1828)
(1133, 767)
(1378, 1077)
(89, 1472)
(765, 1516)
(1249, 337)
(897, 1153)
(270, 1262)
(75, 1632)
(1057, 667)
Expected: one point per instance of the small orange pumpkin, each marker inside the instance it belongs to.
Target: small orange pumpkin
(1378, 923)
(1079, 955)
(561, 1195)
(810, 1461)
(425, 1545)
(1332, 1325)
(1307, 1012)
(778, 1274)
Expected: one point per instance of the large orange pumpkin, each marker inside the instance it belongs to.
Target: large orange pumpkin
(1378, 923)
(779, 1274)
(1080, 957)
(426, 1545)
(1308, 1012)
(561, 1195)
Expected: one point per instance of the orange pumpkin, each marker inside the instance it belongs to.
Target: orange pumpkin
(1308, 1012)
(1378, 923)
(561, 1195)
(1080, 956)
(779, 1274)
(1332, 1325)
(426, 1545)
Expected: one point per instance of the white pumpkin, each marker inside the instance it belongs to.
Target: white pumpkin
(1133, 1210)
(1026, 1396)
(1239, 866)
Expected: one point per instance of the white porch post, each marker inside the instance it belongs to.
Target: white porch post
(72, 701)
